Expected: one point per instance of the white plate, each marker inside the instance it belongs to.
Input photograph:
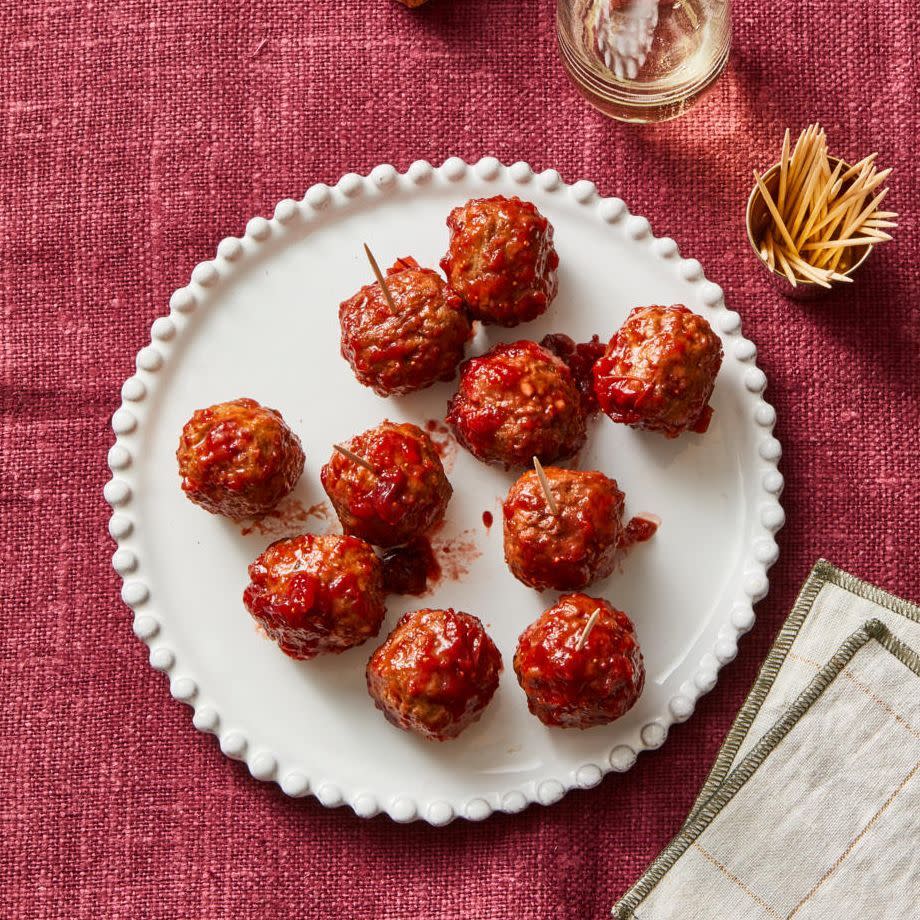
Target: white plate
(261, 321)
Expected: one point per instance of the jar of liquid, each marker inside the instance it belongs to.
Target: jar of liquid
(643, 60)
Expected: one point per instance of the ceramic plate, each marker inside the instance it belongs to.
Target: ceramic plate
(261, 320)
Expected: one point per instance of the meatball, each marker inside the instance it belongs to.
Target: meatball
(238, 458)
(409, 348)
(501, 259)
(659, 370)
(574, 681)
(315, 594)
(515, 403)
(435, 673)
(406, 493)
(573, 547)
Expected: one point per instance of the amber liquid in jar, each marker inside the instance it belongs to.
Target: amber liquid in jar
(643, 61)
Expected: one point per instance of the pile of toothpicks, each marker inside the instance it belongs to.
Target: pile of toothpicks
(822, 216)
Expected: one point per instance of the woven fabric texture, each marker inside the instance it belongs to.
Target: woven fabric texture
(136, 135)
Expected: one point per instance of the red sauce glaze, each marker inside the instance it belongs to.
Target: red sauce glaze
(487, 519)
(444, 442)
(515, 402)
(287, 518)
(420, 343)
(572, 548)
(701, 425)
(402, 264)
(639, 530)
(578, 688)
(659, 370)
(410, 569)
(581, 359)
(317, 594)
(435, 673)
(456, 554)
(238, 458)
(501, 259)
(407, 493)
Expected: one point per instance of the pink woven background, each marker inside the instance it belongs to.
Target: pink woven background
(135, 136)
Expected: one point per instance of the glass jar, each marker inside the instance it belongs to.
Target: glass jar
(643, 60)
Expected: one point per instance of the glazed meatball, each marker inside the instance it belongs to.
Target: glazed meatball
(576, 687)
(317, 594)
(659, 370)
(516, 402)
(406, 493)
(421, 342)
(435, 673)
(501, 259)
(238, 458)
(573, 547)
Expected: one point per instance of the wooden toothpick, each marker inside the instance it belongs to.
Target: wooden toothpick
(853, 241)
(798, 264)
(379, 276)
(787, 270)
(784, 171)
(583, 638)
(774, 213)
(345, 452)
(544, 484)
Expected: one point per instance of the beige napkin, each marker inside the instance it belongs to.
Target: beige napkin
(813, 806)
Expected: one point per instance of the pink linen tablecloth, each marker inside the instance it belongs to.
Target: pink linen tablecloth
(136, 135)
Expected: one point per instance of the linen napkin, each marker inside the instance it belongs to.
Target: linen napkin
(812, 808)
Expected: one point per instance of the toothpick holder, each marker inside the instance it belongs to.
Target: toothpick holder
(758, 219)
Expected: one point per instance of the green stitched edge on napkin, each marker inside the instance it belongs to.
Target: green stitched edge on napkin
(874, 629)
(823, 573)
